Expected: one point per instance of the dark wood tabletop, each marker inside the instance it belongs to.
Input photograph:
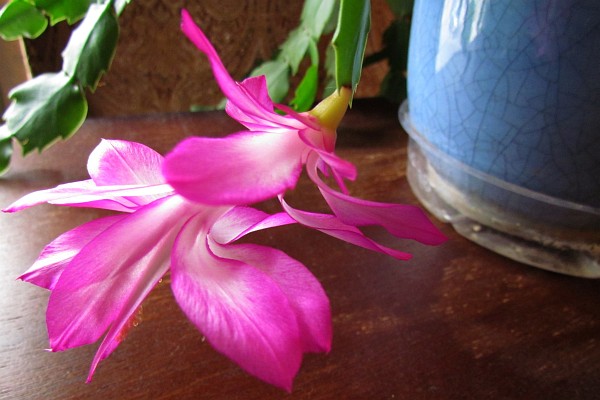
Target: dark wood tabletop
(455, 322)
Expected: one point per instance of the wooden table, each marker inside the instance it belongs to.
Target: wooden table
(455, 322)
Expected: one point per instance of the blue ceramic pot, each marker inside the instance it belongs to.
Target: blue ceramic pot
(504, 109)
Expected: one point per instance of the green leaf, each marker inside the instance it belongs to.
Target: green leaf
(306, 92)
(120, 6)
(20, 18)
(350, 40)
(395, 43)
(393, 87)
(45, 108)
(316, 14)
(395, 39)
(278, 78)
(315, 19)
(6, 148)
(60, 10)
(401, 8)
(92, 45)
(329, 64)
(294, 48)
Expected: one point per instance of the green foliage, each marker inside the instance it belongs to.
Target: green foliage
(295, 47)
(92, 45)
(395, 40)
(277, 72)
(44, 109)
(316, 14)
(315, 21)
(344, 61)
(5, 148)
(61, 10)
(20, 18)
(395, 51)
(305, 94)
(53, 106)
(120, 6)
(401, 8)
(30, 18)
(350, 41)
(329, 72)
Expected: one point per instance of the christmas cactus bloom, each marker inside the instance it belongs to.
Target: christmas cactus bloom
(269, 156)
(253, 303)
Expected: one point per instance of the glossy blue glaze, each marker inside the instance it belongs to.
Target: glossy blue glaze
(512, 88)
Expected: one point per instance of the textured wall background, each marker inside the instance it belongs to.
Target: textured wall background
(157, 70)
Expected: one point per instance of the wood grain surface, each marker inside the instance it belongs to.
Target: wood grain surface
(455, 322)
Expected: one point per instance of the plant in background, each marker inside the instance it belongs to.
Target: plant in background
(395, 51)
(320, 18)
(53, 106)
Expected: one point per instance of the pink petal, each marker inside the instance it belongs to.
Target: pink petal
(241, 311)
(87, 194)
(118, 329)
(240, 221)
(304, 119)
(302, 289)
(125, 175)
(250, 104)
(401, 220)
(119, 162)
(256, 88)
(332, 226)
(241, 169)
(47, 269)
(48, 195)
(113, 273)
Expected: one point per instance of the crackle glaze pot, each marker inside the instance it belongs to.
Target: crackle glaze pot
(503, 113)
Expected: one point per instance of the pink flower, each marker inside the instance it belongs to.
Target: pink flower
(269, 156)
(254, 304)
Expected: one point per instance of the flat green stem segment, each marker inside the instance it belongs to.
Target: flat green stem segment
(53, 105)
(92, 45)
(61, 10)
(20, 18)
(314, 22)
(350, 40)
(44, 109)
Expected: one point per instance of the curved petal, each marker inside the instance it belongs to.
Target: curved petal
(119, 162)
(240, 221)
(123, 321)
(112, 272)
(125, 198)
(401, 220)
(332, 226)
(86, 194)
(240, 310)
(47, 269)
(303, 291)
(240, 169)
(256, 88)
(304, 119)
(314, 139)
(252, 105)
(47, 195)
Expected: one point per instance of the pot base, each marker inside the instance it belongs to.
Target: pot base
(521, 224)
